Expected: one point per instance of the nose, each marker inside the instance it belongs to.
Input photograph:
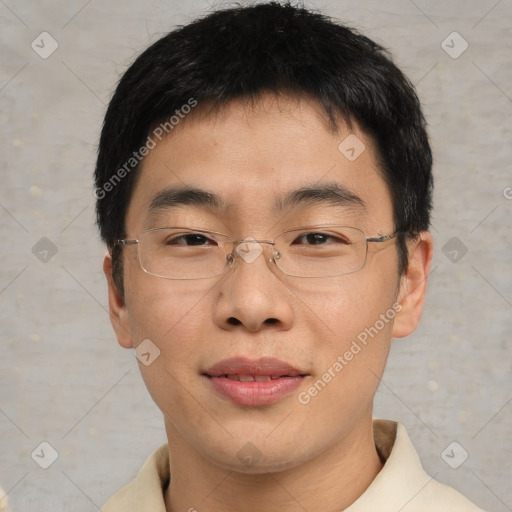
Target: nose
(251, 296)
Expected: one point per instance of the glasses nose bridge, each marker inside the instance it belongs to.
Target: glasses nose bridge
(237, 243)
(249, 249)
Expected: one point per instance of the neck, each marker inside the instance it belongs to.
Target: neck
(339, 475)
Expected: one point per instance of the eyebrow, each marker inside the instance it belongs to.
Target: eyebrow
(333, 194)
(182, 196)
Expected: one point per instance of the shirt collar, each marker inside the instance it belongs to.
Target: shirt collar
(399, 483)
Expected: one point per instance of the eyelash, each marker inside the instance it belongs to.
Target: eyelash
(303, 237)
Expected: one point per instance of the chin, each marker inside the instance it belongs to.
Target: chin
(260, 464)
(257, 454)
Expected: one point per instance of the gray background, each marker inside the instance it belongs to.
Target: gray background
(63, 377)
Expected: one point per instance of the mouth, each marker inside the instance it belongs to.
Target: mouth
(254, 382)
(252, 378)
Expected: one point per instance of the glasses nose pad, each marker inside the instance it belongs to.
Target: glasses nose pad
(234, 256)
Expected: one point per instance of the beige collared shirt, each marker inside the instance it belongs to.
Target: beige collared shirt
(402, 484)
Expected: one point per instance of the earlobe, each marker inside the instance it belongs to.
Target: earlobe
(413, 285)
(117, 307)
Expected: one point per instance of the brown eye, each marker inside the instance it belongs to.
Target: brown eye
(318, 239)
(191, 239)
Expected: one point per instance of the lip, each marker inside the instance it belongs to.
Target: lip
(284, 378)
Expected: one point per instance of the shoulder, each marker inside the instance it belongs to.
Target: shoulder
(402, 483)
(437, 497)
(145, 493)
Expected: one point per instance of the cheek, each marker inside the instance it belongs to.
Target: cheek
(173, 315)
(343, 307)
(163, 310)
(353, 317)
(350, 343)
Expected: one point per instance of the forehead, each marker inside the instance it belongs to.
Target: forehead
(255, 160)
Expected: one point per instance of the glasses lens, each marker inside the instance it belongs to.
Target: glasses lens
(321, 251)
(180, 253)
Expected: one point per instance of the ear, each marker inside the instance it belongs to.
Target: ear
(117, 308)
(413, 285)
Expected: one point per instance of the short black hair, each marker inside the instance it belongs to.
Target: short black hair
(243, 52)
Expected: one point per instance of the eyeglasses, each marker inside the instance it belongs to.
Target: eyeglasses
(189, 253)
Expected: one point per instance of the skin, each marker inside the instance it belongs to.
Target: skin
(250, 155)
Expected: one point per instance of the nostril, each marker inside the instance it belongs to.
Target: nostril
(233, 321)
(271, 321)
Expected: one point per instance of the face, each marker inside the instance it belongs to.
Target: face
(327, 337)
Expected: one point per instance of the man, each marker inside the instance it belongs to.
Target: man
(264, 188)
